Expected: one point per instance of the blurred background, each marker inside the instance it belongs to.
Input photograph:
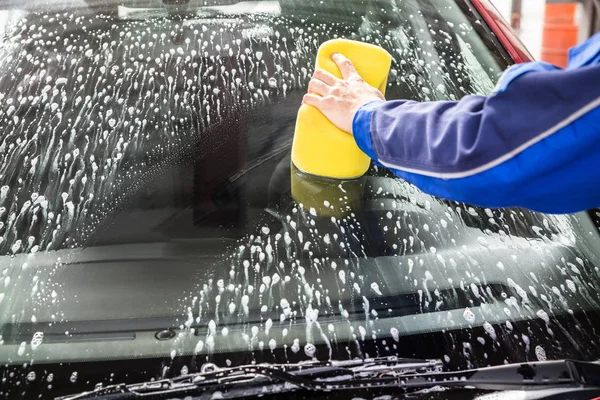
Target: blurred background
(550, 27)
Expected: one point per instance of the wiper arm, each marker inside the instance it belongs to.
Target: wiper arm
(404, 374)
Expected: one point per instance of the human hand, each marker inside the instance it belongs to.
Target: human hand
(340, 99)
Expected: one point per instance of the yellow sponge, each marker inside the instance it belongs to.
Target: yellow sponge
(319, 147)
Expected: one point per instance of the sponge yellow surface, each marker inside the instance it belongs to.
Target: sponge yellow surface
(319, 147)
(328, 197)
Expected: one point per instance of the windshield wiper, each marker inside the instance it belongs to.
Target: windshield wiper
(378, 373)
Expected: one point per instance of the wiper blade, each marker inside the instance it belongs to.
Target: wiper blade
(317, 375)
(403, 374)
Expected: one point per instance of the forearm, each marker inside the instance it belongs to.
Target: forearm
(509, 149)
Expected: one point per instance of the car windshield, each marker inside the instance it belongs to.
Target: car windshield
(151, 221)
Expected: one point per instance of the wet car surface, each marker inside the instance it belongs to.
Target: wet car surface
(151, 220)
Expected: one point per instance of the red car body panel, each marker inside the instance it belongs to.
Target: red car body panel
(504, 32)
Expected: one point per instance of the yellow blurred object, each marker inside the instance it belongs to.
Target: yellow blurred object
(329, 198)
(320, 148)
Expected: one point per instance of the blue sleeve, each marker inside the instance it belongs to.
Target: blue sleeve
(533, 143)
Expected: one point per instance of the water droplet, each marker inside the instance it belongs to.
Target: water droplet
(540, 353)
(199, 347)
(468, 315)
(395, 334)
(490, 330)
(375, 288)
(295, 346)
(36, 340)
(543, 315)
(268, 326)
(483, 242)
(21, 349)
(362, 332)
(310, 350)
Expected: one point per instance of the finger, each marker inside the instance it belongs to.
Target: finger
(317, 86)
(325, 77)
(312, 100)
(346, 67)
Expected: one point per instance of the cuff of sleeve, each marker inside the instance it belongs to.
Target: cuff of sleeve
(361, 127)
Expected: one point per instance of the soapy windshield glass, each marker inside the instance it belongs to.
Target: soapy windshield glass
(149, 211)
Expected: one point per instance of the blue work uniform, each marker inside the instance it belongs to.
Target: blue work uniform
(533, 143)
